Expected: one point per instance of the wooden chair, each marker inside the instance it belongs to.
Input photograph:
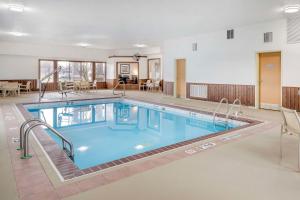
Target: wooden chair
(27, 87)
(291, 125)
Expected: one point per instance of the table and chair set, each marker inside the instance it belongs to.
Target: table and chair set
(77, 85)
(13, 88)
(151, 85)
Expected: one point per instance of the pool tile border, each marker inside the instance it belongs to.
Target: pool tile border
(68, 170)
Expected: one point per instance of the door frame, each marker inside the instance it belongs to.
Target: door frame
(175, 78)
(257, 86)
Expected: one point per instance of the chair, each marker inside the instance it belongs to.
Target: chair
(84, 85)
(2, 83)
(143, 85)
(156, 85)
(26, 87)
(11, 88)
(291, 125)
(94, 85)
(149, 85)
(63, 89)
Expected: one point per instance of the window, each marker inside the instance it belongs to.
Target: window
(87, 71)
(75, 71)
(46, 68)
(100, 113)
(154, 69)
(64, 72)
(100, 72)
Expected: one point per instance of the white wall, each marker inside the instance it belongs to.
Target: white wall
(20, 61)
(153, 52)
(18, 67)
(112, 63)
(219, 60)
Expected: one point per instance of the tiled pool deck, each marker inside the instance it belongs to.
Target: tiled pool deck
(35, 178)
(68, 170)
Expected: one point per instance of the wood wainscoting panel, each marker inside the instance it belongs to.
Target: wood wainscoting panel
(34, 85)
(246, 93)
(168, 88)
(101, 85)
(110, 83)
(50, 86)
(291, 98)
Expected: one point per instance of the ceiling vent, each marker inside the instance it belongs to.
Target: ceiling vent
(195, 46)
(268, 37)
(230, 34)
(293, 29)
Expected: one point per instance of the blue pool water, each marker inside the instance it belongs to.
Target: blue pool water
(108, 130)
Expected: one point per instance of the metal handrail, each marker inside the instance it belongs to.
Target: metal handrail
(219, 106)
(22, 131)
(236, 103)
(70, 151)
(41, 95)
(124, 88)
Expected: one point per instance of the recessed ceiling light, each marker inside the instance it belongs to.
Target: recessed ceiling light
(18, 34)
(83, 44)
(291, 9)
(140, 45)
(16, 7)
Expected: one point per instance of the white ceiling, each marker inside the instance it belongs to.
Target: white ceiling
(115, 24)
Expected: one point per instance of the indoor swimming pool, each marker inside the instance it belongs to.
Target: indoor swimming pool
(107, 130)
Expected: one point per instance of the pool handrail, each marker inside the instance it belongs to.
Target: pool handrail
(69, 152)
(40, 81)
(219, 107)
(22, 129)
(124, 88)
(237, 103)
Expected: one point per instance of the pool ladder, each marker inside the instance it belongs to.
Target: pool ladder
(32, 123)
(229, 109)
(123, 91)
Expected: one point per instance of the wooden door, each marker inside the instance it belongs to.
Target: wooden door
(180, 78)
(270, 80)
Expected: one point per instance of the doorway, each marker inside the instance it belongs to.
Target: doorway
(180, 78)
(270, 80)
